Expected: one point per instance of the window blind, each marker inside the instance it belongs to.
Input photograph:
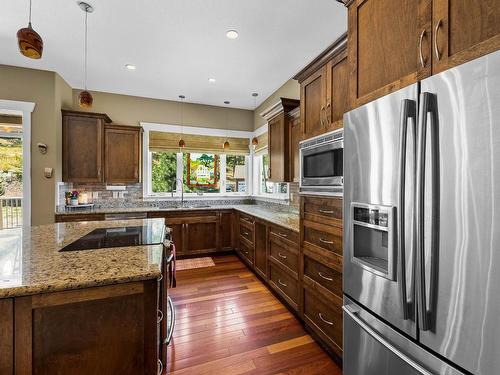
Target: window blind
(169, 142)
(262, 143)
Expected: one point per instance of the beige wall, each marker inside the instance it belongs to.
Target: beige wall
(39, 87)
(130, 110)
(291, 90)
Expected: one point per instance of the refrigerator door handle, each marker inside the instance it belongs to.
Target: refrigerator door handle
(352, 312)
(427, 106)
(408, 111)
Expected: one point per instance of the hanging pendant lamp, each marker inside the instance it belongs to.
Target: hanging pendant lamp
(255, 140)
(182, 143)
(226, 145)
(29, 41)
(85, 98)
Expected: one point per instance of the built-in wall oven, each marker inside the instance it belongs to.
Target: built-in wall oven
(321, 164)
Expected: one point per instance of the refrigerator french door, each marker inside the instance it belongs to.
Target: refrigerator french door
(422, 221)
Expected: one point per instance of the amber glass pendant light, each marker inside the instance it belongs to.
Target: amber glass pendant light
(226, 145)
(29, 41)
(85, 98)
(182, 143)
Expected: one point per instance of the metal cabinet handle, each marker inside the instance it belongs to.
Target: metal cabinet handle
(283, 235)
(160, 367)
(281, 255)
(329, 212)
(322, 116)
(324, 277)
(326, 242)
(160, 278)
(282, 283)
(324, 320)
(170, 330)
(423, 61)
(327, 113)
(160, 316)
(246, 233)
(436, 47)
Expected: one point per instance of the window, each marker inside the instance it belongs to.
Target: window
(263, 186)
(208, 173)
(236, 175)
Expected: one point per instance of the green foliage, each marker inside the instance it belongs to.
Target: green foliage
(164, 171)
(202, 189)
(11, 155)
(206, 160)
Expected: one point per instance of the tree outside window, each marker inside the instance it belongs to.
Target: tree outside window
(164, 171)
(235, 174)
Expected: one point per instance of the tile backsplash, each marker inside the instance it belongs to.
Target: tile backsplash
(131, 192)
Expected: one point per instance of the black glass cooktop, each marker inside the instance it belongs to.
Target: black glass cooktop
(116, 237)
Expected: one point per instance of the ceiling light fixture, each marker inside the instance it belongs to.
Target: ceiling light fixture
(232, 34)
(226, 145)
(255, 140)
(85, 97)
(130, 67)
(29, 41)
(182, 142)
(211, 80)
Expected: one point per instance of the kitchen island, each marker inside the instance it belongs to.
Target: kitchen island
(80, 312)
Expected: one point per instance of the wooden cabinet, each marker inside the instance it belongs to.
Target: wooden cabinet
(107, 330)
(65, 218)
(226, 230)
(95, 151)
(82, 148)
(122, 154)
(279, 133)
(6, 336)
(324, 94)
(201, 234)
(384, 41)
(295, 138)
(261, 249)
(463, 30)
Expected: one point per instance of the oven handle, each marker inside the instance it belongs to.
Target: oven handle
(330, 145)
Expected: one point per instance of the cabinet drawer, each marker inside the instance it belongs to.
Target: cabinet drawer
(323, 275)
(284, 233)
(284, 256)
(246, 232)
(78, 217)
(318, 209)
(284, 283)
(326, 317)
(246, 251)
(327, 238)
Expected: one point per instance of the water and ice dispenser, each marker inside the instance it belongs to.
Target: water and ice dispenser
(373, 238)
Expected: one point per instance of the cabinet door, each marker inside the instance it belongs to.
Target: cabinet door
(6, 336)
(260, 262)
(295, 138)
(337, 101)
(82, 149)
(201, 234)
(278, 166)
(383, 49)
(464, 30)
(177, 236)
(312, 104)
(122, 156)
(226, 230)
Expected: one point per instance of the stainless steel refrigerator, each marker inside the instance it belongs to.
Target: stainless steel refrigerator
(422, 227)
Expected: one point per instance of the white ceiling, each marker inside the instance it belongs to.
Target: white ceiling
(177, 44)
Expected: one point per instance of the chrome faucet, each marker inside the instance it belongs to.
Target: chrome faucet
(174, 181)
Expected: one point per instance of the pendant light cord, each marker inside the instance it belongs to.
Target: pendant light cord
(85, 67)
(30, 14)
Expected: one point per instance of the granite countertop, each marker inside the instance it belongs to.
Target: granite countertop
(30, 261)
(285, 219)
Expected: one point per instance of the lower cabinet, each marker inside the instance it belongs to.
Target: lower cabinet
(261, 249)
(6, 336)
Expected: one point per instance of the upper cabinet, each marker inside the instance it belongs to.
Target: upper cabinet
(82, 148)
(280, 150)
(96, 151)
(394, 43)
(389, 46)
(463, 30)
(121, 154)
(324, 94)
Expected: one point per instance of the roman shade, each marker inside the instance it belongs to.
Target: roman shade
(262, 143)
(169, 142)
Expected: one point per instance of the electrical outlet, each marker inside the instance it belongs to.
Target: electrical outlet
(95, 195)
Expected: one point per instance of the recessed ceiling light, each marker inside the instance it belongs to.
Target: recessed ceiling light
(232, 34)
(130, 67)
(211, 80)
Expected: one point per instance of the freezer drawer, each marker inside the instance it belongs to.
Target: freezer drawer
(373, 348)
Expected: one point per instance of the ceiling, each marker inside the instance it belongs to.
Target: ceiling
(177, 44)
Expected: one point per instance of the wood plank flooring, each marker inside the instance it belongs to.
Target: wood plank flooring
(229, 323)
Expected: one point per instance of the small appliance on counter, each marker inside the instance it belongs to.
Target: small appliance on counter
(321, 164)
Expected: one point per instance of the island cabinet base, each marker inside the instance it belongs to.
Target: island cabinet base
(102, 330)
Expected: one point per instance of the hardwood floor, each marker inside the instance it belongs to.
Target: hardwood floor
(229, 323)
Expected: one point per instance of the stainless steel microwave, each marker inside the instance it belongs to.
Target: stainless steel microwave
(321, 164)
